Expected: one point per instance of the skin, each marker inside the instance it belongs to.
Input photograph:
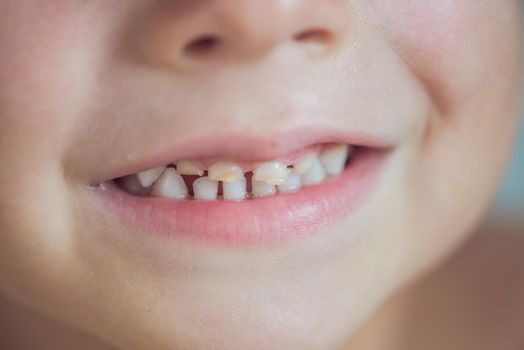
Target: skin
(85, 83)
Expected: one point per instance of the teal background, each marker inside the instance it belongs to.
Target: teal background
(511, 196)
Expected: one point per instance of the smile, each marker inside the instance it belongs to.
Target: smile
(230, 201)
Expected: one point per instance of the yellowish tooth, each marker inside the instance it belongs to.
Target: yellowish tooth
(148, 177)
(271, 173)
(226, 172)
(185, 167)
(305, 163)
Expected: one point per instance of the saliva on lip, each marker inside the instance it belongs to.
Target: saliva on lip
(189, 180)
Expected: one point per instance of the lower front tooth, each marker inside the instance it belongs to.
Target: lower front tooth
(292, 184)
(205, 189)
(170, 185)
(334, 159)
(262, 189)
(234, 190)
(315, 173)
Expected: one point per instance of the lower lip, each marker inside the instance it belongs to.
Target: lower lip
(259, 221)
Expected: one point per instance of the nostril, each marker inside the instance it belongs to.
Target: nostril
(202, 45)
(314, 36)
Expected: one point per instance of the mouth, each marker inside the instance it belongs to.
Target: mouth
(227, 198)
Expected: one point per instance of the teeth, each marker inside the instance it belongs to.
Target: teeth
(262, 189)
(272, 173)
(292, 184)
(334, 159)
(304, 163)
(225, 172)
(185, 167)
(148, 177)
(315, 174)
(205, 189)
(170, 185)
(132, 184)
(267, 179)
(235, 190)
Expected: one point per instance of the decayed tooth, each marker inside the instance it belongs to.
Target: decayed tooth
(303, 165)
(334, 159)
(262, 189)
(170, 185)
(235, 190)
(148, 177)
(225, 172)
(292, 184)
(272, 173)
(184, 167)
(315, 174)
(205, 189)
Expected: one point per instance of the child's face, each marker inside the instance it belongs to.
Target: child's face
(94, 90)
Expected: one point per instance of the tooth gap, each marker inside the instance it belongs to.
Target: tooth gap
(135, 189)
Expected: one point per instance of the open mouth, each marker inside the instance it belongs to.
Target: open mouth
(239, 202)
(226, 180)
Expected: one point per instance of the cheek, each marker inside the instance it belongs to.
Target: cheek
(46, 52)
(455, 48)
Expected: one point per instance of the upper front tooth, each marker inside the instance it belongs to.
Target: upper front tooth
(184, 167)
(315, 174)
(226, 172)
(148, 177)
(304, 163)
(272, 173)
(205, 189)
(334, 159)
(170, 185)
(235, 190)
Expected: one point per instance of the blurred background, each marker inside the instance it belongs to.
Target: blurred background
(510, 201)
(509, 205)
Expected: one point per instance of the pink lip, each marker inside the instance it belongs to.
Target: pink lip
(251, 222)
(250, 148)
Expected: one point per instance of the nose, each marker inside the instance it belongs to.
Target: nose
(194, 34)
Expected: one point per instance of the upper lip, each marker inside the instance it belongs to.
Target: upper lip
(242, 147)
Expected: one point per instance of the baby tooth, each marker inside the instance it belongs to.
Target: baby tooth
(235, 190)
(205, 189)
(334, 159)
(170, 185)
(132, 185)
(184, 167)
(262, 189)
(315, 174)
(272, 173)
(226, 172)
(292, 184)
(148, 177)
(304, 163)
